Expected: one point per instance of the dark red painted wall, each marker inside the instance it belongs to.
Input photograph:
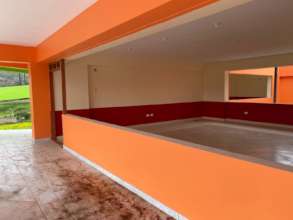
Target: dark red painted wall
(132, 115)
(213, 109)
(271, 113)
(137, 114)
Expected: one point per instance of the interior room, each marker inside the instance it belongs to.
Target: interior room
(168, 83)
(150, 110)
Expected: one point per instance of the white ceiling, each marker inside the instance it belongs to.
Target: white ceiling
(29, 22)
(256, 28)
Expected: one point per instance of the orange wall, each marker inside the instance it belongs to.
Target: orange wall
(39, 85)
(14, 64)
(196, 183)
(40, 100)
(108, 20)
(256, 100)
(16, 53)
(285, 71)
(285, 95)
(285, 85)
(269, 71)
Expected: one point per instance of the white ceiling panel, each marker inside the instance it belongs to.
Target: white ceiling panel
(29, 22)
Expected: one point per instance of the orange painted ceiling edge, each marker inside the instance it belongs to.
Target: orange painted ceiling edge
(129, 16)
(70, 40)
(12, 64)
(16, 54)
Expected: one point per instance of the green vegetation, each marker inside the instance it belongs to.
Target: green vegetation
(14, 93)
(9, 109)
(21, 125)
(14, 99)
(14, 69)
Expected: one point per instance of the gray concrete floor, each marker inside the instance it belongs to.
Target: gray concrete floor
(266, 143)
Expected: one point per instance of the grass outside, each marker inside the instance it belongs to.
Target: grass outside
(12, 126)
(14, 93)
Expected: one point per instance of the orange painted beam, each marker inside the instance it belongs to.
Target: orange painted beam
(108, 20)
(16, 53)
(13, 64)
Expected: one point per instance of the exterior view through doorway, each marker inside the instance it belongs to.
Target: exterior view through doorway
(15, 113)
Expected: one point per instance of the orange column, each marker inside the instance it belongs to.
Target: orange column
(40, 100)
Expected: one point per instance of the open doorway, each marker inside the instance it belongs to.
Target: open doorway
(15, 113)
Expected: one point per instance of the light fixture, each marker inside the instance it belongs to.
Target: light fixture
(164, 39)
(218, 24)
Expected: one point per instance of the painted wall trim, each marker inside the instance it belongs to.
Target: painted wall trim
(128, 186)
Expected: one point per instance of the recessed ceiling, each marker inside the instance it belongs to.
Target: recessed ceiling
(29, 22)
(257, 28)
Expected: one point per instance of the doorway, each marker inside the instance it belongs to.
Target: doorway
(15, 110)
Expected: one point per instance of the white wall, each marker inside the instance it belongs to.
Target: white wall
(76, 87)
(121, 82)
(249, 86)
(126, 81)
(144, 85)
(57, 90)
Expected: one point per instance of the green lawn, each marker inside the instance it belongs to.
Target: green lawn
(14, 92)
(21, 125)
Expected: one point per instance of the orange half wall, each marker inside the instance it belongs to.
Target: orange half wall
(196, 183)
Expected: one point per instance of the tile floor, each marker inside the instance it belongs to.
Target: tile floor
(42, 182)
(268, 144)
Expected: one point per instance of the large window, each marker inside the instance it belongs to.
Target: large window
(252, 85)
